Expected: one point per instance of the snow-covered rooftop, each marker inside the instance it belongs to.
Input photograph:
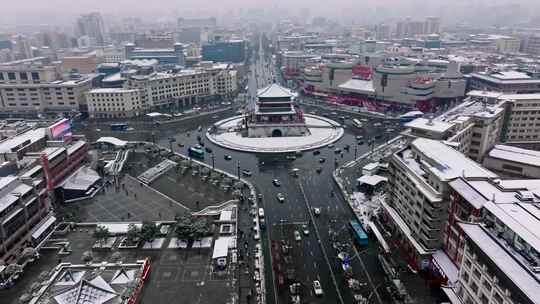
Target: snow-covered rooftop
(516, 97)
(447, 163)
(429, 125)
(112, 140)
(371, 180)
(358, 86)
(468, 193)
(274, 91)
(528, 283)
(514, 154)
(30, 136)
(81, 179)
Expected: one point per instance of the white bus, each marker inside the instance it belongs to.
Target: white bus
(357, 123)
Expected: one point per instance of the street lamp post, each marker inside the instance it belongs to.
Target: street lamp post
(213, 161)
(355, 151)
(238, 167)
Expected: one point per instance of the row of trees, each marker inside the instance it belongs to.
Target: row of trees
(186, 227)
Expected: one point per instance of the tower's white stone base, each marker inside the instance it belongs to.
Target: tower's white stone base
(277, 130)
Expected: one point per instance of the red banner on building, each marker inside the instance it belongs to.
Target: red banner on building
(362, 71)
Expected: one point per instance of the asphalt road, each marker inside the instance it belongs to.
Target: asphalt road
(309, 263)
(314, 256)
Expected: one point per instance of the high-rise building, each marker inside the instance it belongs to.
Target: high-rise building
(225, 51)
(23, 48)
(419, 193)
(35, 86)
(432, 25)
(532, 45)
(171, 55)
(209, 22)
(410, 28)
(508, 45)
(92, 25)
(382, 32)
(5, 42)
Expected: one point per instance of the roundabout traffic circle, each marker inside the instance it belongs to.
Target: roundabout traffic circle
(228, 133)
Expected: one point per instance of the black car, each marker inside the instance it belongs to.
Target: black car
(208, 150)
(322, 160)
(227, 157)
(316, 152)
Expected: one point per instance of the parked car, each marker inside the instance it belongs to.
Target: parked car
(322, 160)
(317, 211)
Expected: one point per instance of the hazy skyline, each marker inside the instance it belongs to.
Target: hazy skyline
(62, 12)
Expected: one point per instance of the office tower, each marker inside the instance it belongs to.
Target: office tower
(91, 25)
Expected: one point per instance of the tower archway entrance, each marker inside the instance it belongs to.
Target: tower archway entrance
(277, 133)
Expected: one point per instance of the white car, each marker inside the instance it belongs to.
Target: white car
(317, 288)
(297, 236)
(317, 211)
(280, 197)
(305, 230)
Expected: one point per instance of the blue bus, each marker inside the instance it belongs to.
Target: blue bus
(358, 232)
(119, 127)
(410, 116)
(196, 152)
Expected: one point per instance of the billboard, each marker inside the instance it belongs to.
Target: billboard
(59, 129)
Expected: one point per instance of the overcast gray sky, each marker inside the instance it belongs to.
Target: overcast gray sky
(49, 11)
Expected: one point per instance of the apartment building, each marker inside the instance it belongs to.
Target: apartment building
(185, 86)
(25, 215)
(472, 127)
(513, 161)
(508, 45)
(523, 118)
(492, 239)
(115, 102)
(36, 86)
(419, 194)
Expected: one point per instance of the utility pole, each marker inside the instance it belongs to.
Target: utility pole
(213, 163)
(355, 150)
(238, 167)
